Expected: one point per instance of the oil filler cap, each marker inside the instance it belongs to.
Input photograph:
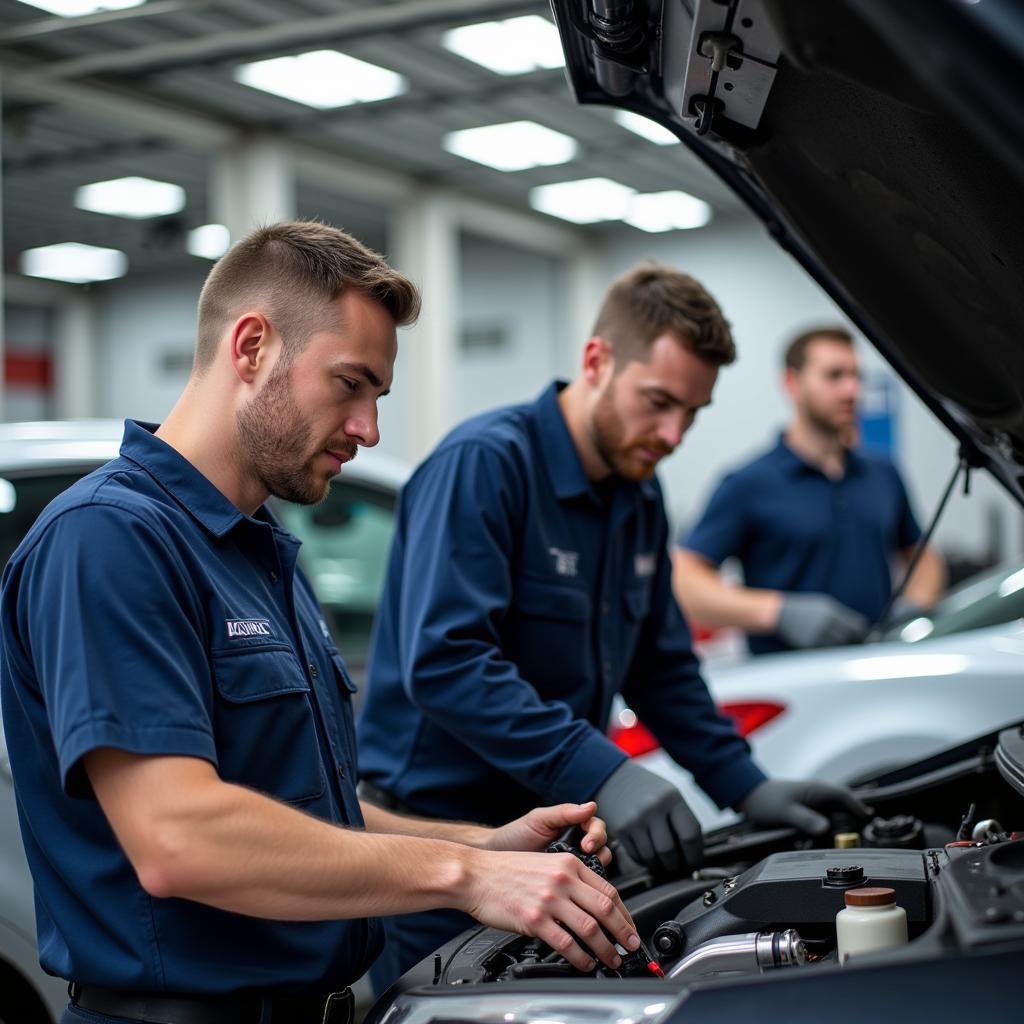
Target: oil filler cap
(851, 874)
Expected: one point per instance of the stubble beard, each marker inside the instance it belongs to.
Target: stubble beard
(609, 435)
(275, 438)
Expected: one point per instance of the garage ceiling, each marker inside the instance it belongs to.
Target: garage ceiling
(68, 81)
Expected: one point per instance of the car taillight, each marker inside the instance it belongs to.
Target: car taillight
(751, 715)
(635, 738)
(628, 733)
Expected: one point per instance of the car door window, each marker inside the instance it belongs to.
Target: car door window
(22, 497)
(345, 543)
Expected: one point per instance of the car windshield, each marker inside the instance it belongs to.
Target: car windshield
(988, 599)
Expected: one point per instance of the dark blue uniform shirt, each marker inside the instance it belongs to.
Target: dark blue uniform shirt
(145, 612)
(518, 600)
(793, 528)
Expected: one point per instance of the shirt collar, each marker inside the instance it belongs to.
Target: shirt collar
(794, 465)
(179, 478)
(558, 450)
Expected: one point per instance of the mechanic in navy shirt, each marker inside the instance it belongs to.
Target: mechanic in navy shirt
(813, 523)
(529, 582)
(178, 718)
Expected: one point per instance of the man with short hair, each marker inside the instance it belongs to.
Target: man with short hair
(179, 720)
(813, 523)
(529, 582)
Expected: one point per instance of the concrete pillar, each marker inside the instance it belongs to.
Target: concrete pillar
(587, 280)
(426, 247)
(252, 184)
(76, 361)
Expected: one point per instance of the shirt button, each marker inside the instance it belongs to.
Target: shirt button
(312, 671)
(273, 576)
(341, 772)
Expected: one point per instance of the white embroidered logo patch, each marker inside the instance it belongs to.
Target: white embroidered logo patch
(644, 565)
(248, 627)
(566, 562)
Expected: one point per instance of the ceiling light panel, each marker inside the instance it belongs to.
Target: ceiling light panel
(511, 47)
(323, 79)
(77, 8)
(73, 262)
(514, 146)
(640, 125)
(134, 198)
(667, 211)
(586, 201)
(209, 242)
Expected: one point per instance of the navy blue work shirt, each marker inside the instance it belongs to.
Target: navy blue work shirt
(518, 601)
(144, 612)
(795, 529)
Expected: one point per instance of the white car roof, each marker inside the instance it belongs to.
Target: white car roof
(36, 445)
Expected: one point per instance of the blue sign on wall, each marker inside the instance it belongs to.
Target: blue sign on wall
(878, 413)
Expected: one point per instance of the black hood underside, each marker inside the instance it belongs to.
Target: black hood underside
(888, 158)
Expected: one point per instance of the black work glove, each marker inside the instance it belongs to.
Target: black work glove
(649, 816)
(818, 620)
(781, 803)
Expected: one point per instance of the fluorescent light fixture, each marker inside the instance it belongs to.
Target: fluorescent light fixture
(640, 125)
(76, 8)
(322, 79)
(511, 47)
(135, 198)
(513, 146)
(210, 241)
(73, 262)
(586, 201)
(667, 211)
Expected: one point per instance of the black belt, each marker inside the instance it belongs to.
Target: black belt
(382, 798)
(238, 1008)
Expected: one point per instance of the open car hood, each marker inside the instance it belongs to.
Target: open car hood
(881, 143)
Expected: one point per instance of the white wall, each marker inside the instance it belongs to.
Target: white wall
(522, 294)
(769, 298)
(141, 323)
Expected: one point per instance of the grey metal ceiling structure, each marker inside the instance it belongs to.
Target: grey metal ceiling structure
(178, 56)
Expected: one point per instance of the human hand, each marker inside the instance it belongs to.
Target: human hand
(649, 816)
(549, 895)
(818, 620)
(787, 803)
(539, 828)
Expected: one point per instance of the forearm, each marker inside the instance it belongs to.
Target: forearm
(389, 823)
(708, 600)
(197, 837)
(928, 582)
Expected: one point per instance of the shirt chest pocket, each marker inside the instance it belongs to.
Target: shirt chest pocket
(263, 723)
(551, 639)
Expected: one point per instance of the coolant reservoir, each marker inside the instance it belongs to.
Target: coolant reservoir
(870, 922)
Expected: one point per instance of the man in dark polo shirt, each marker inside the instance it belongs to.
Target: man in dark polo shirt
(814, 524)
(529, 582)
(178, 719)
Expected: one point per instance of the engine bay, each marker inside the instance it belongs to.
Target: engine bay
(766, 902)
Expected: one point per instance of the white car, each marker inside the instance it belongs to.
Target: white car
(845, 714)
(344, 552)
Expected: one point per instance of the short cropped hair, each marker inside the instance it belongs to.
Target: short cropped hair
(293, 271)
(651, 299)
(795, 355)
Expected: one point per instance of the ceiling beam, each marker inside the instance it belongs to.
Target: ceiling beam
(280, 37)
(42, 27)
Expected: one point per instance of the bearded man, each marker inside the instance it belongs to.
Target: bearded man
(529, 582)
(814, 524)
(179, 720)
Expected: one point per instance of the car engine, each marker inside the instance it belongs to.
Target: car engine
(765, 902)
